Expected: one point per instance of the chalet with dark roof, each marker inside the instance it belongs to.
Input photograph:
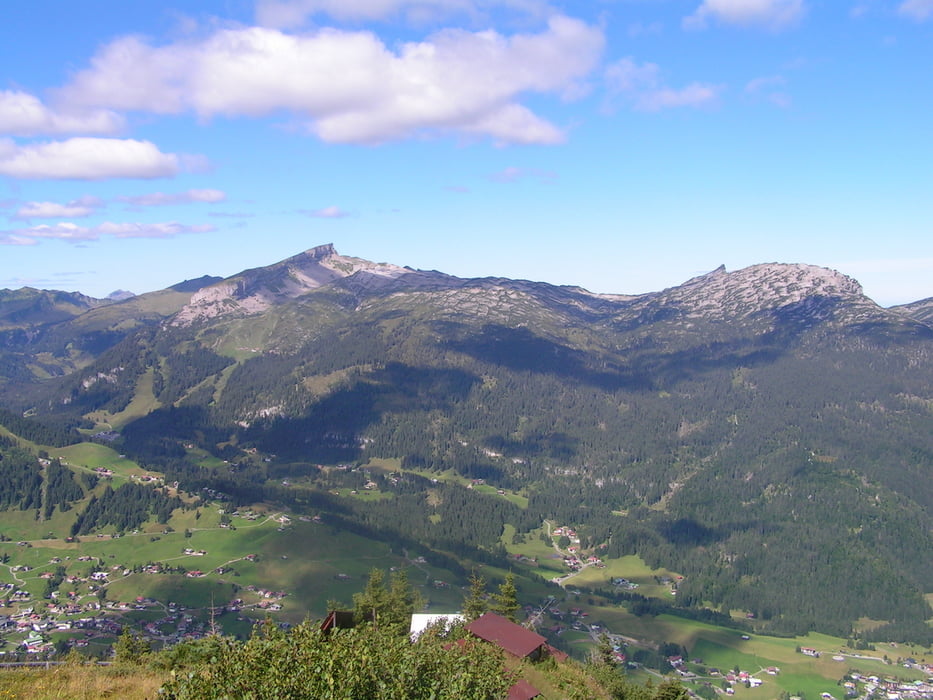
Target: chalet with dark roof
(512, 638)
(523, 690)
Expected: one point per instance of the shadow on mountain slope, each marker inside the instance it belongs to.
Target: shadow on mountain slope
(646, 369)
(521, 350)
(329, 429)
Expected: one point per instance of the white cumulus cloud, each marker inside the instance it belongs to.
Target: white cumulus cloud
(771, 14)
(22, 114)
(86, 158)
(454, 81)
(85, 206)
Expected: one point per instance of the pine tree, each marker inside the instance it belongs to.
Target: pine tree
(475, 604)
(505, 600)
(671, 690)
(130, 647)
(370, 603)
(401, 602)
(604, 651)
(387, 608)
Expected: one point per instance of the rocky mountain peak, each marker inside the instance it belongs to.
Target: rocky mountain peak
(762, 288)
(807, 293)
(255, 290)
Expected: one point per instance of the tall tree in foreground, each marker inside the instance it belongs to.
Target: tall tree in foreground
(387, 608)
(369, 604)
(401, 602)
(475, 604)
(505, 600)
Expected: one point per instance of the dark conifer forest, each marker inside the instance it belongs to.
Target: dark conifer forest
(773, 445)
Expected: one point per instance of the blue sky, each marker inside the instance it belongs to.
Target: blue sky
(620, 145)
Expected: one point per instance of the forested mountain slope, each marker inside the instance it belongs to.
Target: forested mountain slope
(766, 432)
(28, 307)
(920, 310)
(47, 333)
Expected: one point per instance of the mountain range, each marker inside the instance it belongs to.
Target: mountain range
(765, 432)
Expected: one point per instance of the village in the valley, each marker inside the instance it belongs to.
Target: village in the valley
(78, 606)
(78, 609)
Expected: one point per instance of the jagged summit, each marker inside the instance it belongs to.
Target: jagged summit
(817, 292)
(255, 290)
(785, 281)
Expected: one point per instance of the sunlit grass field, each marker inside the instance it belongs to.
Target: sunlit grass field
(79, 682)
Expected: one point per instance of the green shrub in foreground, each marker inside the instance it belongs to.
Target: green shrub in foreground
(360, 663)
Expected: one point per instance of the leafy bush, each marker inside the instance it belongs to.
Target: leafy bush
(364, 662)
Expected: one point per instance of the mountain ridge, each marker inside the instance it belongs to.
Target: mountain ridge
(256, 289)
(756, 430)
(718, 294)
(29, 307)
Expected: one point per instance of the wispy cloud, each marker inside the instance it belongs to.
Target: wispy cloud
(232, 214)
(331, 212)
(919, 10)
(158, 230)
(88, 205)
(769, 88)
(642, 85)
(73, 233)
(294, 13)
(769, 14)
(638, 29)
(159, 199)
(859, 10)
(513, 174)
(53, 281)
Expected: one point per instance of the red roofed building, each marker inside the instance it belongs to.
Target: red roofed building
(514, 639)
(523, 690)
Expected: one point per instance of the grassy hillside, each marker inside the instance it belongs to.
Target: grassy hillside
(82, 682)
(287, 566)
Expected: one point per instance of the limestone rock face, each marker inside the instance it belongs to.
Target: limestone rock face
(253, 291)
(807, 291)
